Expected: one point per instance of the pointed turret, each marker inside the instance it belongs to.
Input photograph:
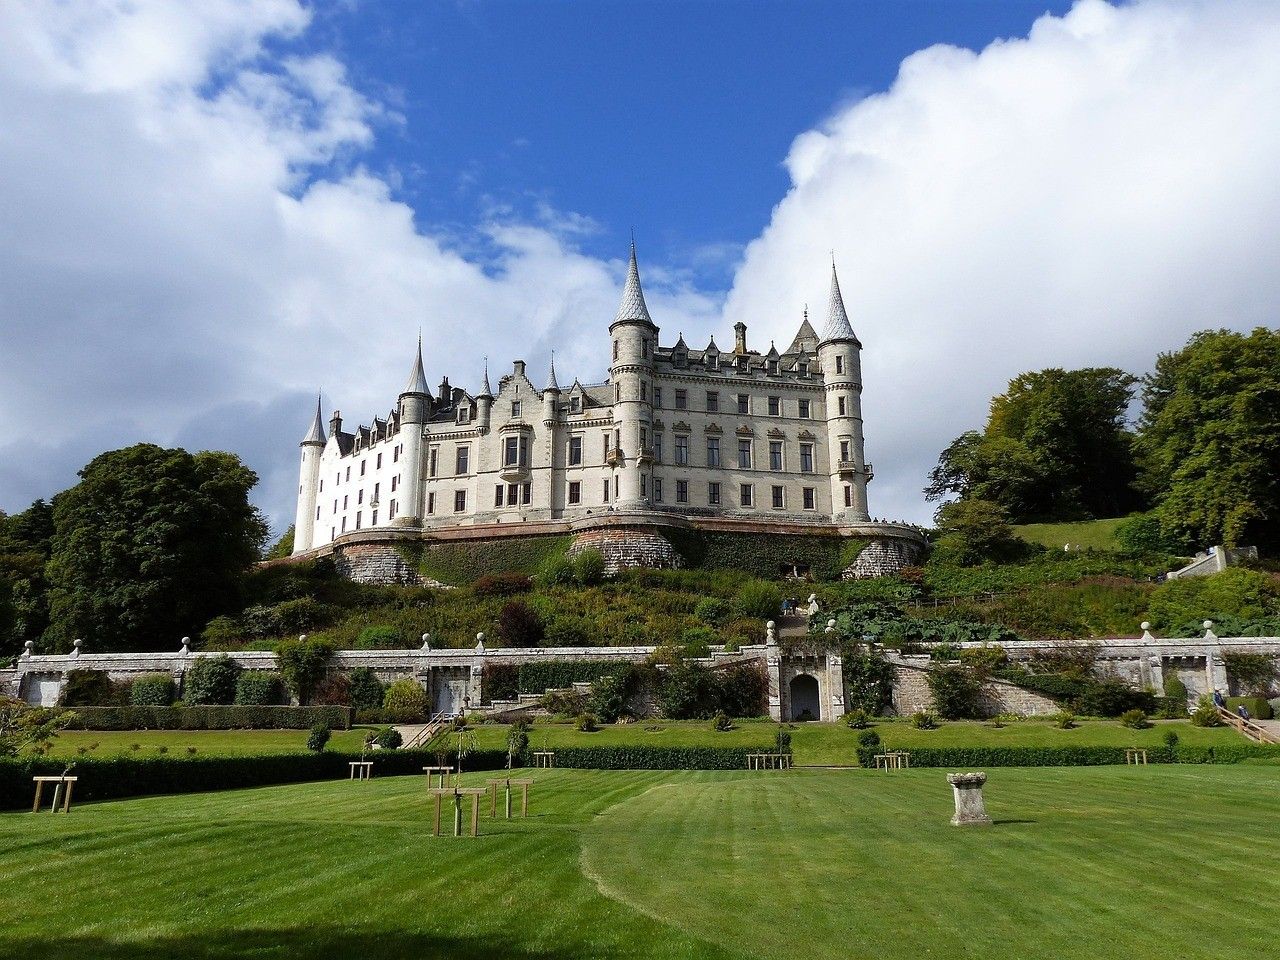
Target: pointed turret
(485, 389)
(806, 338)
(418, 378)
(838, 326)
(633, 306)
(316, 433)
(551, 377)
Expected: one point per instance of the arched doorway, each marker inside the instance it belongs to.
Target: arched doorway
(804, 698)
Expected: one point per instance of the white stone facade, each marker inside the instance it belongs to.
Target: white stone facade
(773, 436)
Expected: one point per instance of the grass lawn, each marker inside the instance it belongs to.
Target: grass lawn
(206, 742)
(1082, 863)
(1095, 534)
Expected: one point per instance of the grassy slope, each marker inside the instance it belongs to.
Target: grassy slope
(206, 742)
(1088, 534)
(1081, 863)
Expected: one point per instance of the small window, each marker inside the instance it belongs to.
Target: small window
(803, 412)
(682, 450)
(575, 404)
(358, 518)
(682, 491)
(775, 454)
(775, 406)
(806, 458)
(713, 401)
(803, 369)
(431, 503)
(657, 446)
(575, 451)
(848, 495)
(644, 349)
(682, 399)
(434, 458)
(808, 498)
(778, 500)
(644, 390)
(526, 493)
(744, 454)
(513, 494)
(713, 451)
(459, 501)
(515, 409)
(321, 485)
(378, 465)
(615, 349)
(713, 494)
(575, 492)
(462, 460)
(773, 368)
(391, 512)
(360, 495)
(657, 489)
(394, 481)
(344, 524)
(348, 477)
(464, 414)
(395, 454)
(742, 364)
(644, 485)
(363, 464)
(844, 450)
(497, 495)
(317, 513)
(344, 503)
(657, 396)
(840, 405)
(606, 490)
(745, 494)
(373, 518)
(744, 403)
(510, 451)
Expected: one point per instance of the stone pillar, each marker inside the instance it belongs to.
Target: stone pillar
(970, 810)
(773, 670)
(835, 684)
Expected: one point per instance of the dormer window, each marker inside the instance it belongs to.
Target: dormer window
(463, 414)
(773, 368)
(515, 409)
(681, 358)
(713, 361)
(742, 364)
(803, 369)
(575, 404)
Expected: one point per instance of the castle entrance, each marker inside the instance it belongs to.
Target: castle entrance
(804, 698)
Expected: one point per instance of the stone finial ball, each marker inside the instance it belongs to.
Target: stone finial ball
(480, 637)
(1208, 624)
(1146, 625)
(302, 636)
(426, 637)
(77, 644)
(770, 625)
(30, 645)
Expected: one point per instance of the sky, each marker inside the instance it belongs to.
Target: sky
(209, 212)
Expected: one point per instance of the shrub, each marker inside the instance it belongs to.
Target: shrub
(645, 757)
(89, 688)
(721, 722)
(211, 680)
(222, 632)
(758, 599)
(589, 567)
(1206, 713)
(782, 741)
(697, 641)
(1254, 674)
(868, 740)
(609, 696)
(1134, 720)
(318, 737)
(255, 689)
(500, 681)
(303, 663)
(152, 690)
(366, 690)
(1169, 738)
(1140, 533)
(1111, 698)
(519, 625)
(711, 611)
(564, 703)
(405, 701)
(388, 738)
(1175, 697)
(379, 637)
(506, 584)
(1065, 720)
(1258, 707)
(585, 722)
(957, 692)
(857, 719)
(1179, 606)
(517, 741)
(868, 681)
(924, 720)
(557, 571)
(335, 690)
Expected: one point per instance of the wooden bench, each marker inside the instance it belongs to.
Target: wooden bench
(475, 793)
(432, 771)
(360, 770)
(60, 781)
(1135, 756)
(893, 760)
(768, 761)
(544, 758)
(492, 789)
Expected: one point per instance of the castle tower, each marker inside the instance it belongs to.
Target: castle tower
(415, 408)
(484, 403)
(635, 341)
(840, 355)
(304, 522)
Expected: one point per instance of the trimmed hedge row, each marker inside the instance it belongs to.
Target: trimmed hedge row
(111, 778)
(643, 757)
(210, 717)
(977, 757)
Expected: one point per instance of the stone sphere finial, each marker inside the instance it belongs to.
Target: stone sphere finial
(771, 626)
(426, 641)
(1208, 624)
(30, 646)
(480, 642)
(302, 636)
(186, 646)
(1146, 625)
(75, 647)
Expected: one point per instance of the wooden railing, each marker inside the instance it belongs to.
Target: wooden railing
(1247, 728)
(426, 733)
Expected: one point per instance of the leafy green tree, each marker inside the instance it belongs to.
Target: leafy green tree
(303, 664)
(1209, 439)
(150, 545)
(24, 552)
(976, 531)
(282, 547)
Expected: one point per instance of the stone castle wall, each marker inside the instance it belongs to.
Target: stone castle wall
(884, 557)
(911, 693)
(378, 563)
(624, 548)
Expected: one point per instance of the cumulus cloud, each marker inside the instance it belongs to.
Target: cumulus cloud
(1087, 195)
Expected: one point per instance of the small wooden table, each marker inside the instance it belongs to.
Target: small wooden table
(544, 758)
(1132, 755)
(442, 771)
(475, 793)
(768, 761)
(360, 770)
(70, 783)
(893, 760)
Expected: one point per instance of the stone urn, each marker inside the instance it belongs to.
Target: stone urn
(970, 810)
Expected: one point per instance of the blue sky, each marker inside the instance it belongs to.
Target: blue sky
(210, 211)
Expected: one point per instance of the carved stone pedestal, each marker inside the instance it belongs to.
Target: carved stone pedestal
(970, 810)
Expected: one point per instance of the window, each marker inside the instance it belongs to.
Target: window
(615, 349)
(615, 487)
(497, 495)
(808, 498)
(744, 403)
(777, 498)
(803, 369)
(434, 458)
(682, 399)
(378, 465)
(373, 518)
(513, 494)
(804, 410)
(839, 364)
(363, 464)
(840, 405)
(391, 513)
(606, 444)
(806, 458)
(848, 495)
(344, 524)
(575, 492)
(644, 390)
(657, 446)
(462, 460)
(644, 349)
(344, 502)
(360, 495)
(775, 454)
(459, 501)
(617, 393)
(713, 401)
(348, 477)
(745, 494)
(844, 449)
(775, 406)
(713, 451)
(681, 357)
(606, 489)
(713, 361)
(431, 503)
(394, 481)
(657, 489)
(317, 513)
(515, 409)
(644, 437)
(682, 491)
(575, 404)
(773, 368)
(657, 396)
(526, 493)
(682, 450)
(742, 364)
(464, 414)
(337, 480)
(395, 454)
(644, 485)
(358, 519)
(335, 504)
(713, 494)
(510, 451)
(744, 454)
(377, 491)
(575, 451)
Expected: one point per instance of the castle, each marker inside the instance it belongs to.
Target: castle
(704, 437)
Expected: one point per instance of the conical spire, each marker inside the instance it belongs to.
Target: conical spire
(418, 378)
(316, 433)
(633, 306)
(485, 389)
(551, 377)
(838, 326)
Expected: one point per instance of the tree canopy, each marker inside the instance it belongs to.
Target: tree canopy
(149, 545)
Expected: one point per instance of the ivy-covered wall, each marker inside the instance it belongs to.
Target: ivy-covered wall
(766, 555)
(461, 563)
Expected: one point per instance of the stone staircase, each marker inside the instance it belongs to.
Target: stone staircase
(529, 705)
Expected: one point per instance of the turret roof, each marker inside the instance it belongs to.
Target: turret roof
(551, 377)
(418, 378)
(316, 433)
(485, 389)
(633, 306)
(838, 326)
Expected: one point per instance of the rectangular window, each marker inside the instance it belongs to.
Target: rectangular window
(321, 485)
(394, 480)
(713, 451)
(775, 406)
(335, 504)
(515, 409)
(373, 518)
(808, 498)
(575, 451)
(575, 404)
(744, 403)
(839, 364)
(744, 454)
(644, 492)
(606, 490)
(497, 495)
(775, 454)
(644, 390)
(363, 464)
(804, 410)
(606, 444)
(840, 405)
(462, 462)
(513, 494)
(682, 450)
(773, 368)
(459, 501)
(848, 495)
(378, 465)
(391, 513)
(657, 396)
(435, 457)
(844, 450)
(344, 502)
(358, 513)
(744, 494)
(657, 446)
(682, 491)
(713, 494)
(431, 503)
(644, 437)
(360, 495)
(344, 524)
(806, 458)
(575, 492)
(317, 513)
(510, 451)
(713, 401)
(657, 489)
(682, 399)
(464, 414)
(377, 491)
(395, 454)
(777, 498)
(803, 369)
(348, 476)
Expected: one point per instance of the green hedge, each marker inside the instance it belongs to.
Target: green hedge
(765, 555)
(642, 757)
(1259, 708)
(978, 757)
(461, 563)
(210, 717)
(110, 778)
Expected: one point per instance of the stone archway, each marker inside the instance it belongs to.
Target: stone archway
(804, 697)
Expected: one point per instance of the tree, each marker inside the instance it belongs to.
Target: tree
(24, 552)
(282, 547)
(1209, 439)
(976, 531)
(149, 546)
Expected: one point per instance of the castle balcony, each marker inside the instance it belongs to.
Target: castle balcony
(849, 468)
(613, 457)
(514, 472)
(645, 455)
